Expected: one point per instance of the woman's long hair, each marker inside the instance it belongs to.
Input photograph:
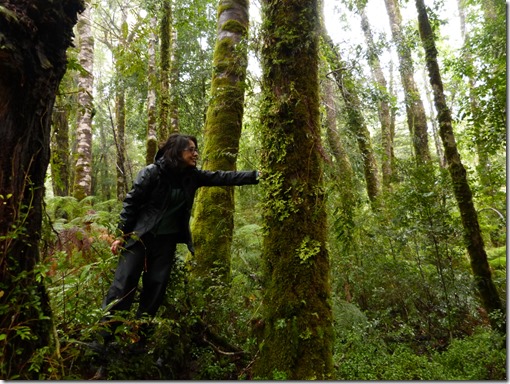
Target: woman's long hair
(172, 150)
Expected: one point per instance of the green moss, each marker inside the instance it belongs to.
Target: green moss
(298, 332)
(235, 27)
(213, 223)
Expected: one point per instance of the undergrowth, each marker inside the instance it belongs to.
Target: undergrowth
(211, 334)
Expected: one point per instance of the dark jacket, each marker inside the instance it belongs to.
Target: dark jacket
(146, 202)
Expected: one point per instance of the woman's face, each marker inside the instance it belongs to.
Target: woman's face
(190, 155)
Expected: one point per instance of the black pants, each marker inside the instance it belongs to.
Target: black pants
(154, 256)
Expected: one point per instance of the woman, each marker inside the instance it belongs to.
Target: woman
(155, 217)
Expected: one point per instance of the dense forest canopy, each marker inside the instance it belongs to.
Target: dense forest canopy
(374, 247)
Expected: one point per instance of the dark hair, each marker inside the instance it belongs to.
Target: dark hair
(172, 150)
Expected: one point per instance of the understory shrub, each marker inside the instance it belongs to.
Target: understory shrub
(481, 356)
(363, 355)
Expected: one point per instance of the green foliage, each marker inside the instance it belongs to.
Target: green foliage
(481, 356)
(402, 309)
(479, 73)
(362, 355)
(198, 334)
(404, 304)
(25, 322)
(417, 285)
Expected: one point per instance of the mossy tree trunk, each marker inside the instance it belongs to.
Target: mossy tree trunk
(120, 49)
(165, 33)
(82, 186)
(120, 141)
(119, 130)
(416, 117)
(214, 209)
(297, 337)
(60, 164)
(152, 130)
(472, 233)
(174, 80)
(344, 172)
(32, 63)
(355, 120)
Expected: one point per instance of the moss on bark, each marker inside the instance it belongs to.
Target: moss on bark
(25, 121)
(469, 216)
(297, 336)
(213, 217)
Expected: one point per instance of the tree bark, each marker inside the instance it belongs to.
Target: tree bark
(355, 120)
(416, 117)
(297, 333)
(174, 79)
(120, 113)
(348, 201)
(164, 68)
(60, 164)
(83, 168)
(434, 124)
(472, 233)
(35, 36)
(214, 210)
(384, 101)
(152, 127)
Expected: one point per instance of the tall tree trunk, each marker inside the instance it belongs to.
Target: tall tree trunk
(384, 101)
(119, 127)
(472, 233)
(345, 174)
(435, 129)
(32, 63)
(152, 128)
(119, 47)
(355, 120)
(214, 210)
(60, 165)
(164, 67)
(83, 168)
(120, 113)
(393, 112)
(174, 79)
(297, 334)
(483, 168)
(105, 171)
(416, 117)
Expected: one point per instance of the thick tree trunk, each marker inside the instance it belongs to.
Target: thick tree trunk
(384, 102)
(35, 36)
(60, 165)
(416, 117)
(472, 233)
(297, 333)
(83, 168)
(355, 120)
(214, 209)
